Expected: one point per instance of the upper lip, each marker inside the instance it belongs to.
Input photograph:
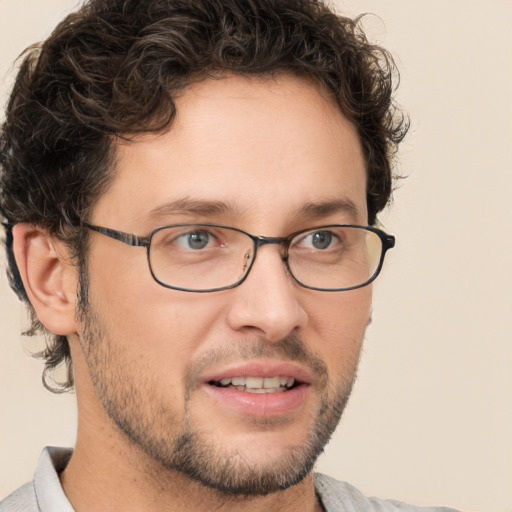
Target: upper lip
(263, 369)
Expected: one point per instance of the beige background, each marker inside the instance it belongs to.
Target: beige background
(431, 416)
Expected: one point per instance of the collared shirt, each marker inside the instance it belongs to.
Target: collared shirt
(45, 494)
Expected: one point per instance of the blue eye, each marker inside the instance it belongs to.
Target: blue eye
(317, 240)
(321, 239)
(196, 240)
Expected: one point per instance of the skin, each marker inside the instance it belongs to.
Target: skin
(265, 148)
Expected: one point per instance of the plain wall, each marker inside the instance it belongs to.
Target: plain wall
(430, 420)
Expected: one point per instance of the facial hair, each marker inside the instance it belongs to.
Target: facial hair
(129, 395)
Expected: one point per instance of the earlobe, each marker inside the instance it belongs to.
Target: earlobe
(48, 277)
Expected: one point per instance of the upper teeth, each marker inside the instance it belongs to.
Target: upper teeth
(259, 382)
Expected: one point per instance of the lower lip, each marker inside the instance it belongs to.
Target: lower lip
(260, 404)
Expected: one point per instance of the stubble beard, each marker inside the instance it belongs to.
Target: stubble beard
(127, 394)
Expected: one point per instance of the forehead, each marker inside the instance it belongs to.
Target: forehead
(257, 146)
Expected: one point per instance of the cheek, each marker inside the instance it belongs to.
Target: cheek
(338, 323)
(159, 326)
(345, 313)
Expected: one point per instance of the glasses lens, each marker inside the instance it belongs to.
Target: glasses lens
(335, 257)
(203, 257)
(200, 257)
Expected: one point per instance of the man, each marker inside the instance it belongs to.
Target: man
(190, 191)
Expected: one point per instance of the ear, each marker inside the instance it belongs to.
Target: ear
(48, 277)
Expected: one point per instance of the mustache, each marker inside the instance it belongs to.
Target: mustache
(291, 348)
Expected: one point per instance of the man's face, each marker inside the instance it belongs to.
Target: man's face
(270, 157)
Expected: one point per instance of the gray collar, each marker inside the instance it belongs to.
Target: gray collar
(49, 493)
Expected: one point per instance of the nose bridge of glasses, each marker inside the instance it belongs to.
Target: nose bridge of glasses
(283, 242)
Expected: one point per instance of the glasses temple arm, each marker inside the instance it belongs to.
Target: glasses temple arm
(126, 238)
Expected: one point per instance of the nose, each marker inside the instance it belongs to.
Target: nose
(267, 302)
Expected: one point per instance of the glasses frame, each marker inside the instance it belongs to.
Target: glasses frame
(388, 242)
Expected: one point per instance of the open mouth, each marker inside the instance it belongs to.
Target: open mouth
(256, 384)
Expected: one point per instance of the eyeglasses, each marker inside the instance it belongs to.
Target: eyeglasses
(211, 257)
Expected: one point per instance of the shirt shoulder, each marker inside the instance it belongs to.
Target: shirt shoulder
(44, 493)
(339, 496)
(22, 499)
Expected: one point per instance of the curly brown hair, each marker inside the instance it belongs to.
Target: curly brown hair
(114, 68)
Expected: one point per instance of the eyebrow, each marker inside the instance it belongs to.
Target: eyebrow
(197, 207)
(325, 208)
(188, 206)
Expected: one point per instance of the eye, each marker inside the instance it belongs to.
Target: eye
(317, 240)
(195, 240)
